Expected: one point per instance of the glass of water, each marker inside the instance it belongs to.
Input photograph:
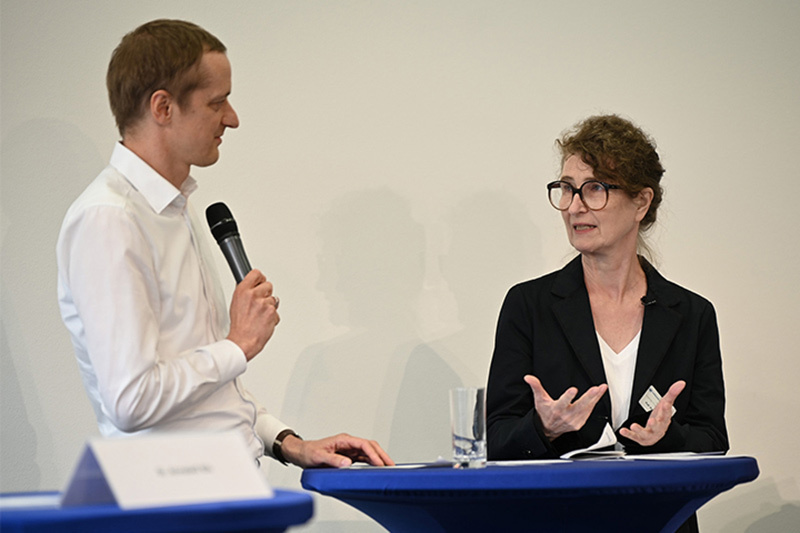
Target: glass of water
(468, 426)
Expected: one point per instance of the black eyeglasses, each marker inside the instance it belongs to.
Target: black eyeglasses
(593, 193)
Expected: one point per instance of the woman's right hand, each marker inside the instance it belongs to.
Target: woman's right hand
(563, 415)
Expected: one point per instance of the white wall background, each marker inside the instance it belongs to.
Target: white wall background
(389, 177)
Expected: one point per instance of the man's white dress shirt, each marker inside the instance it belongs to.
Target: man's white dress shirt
(140, 297)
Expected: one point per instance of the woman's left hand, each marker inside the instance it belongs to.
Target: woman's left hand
(659, 421)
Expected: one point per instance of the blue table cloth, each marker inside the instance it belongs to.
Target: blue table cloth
(286, 509)
(617, 495)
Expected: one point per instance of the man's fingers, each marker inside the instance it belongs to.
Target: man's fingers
(253, 278)
(358, 449)
(333, 459)
(366, 451)
(383, 455)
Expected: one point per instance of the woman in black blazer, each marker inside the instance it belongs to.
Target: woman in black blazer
(606, 340)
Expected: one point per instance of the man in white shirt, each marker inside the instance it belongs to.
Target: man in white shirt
(156, 347)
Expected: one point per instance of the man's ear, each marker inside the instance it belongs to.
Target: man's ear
(161, 106)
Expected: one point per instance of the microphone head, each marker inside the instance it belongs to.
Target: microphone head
(221, 221)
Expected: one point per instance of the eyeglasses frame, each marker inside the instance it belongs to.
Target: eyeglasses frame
(553, 184)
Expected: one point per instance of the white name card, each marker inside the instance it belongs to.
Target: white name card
(165, 469)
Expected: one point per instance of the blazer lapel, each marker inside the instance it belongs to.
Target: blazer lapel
(574, 315)
(660, 325)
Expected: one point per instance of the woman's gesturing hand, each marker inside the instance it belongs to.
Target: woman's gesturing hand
(563, 415)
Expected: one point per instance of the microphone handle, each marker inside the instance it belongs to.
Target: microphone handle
(233, 250)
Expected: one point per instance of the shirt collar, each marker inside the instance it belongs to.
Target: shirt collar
(156, 190)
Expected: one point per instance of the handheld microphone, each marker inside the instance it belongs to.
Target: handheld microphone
(226, 232)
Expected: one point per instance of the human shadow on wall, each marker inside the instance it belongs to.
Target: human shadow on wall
(492, 245)
(36, 193)
(19, 470)
(372, 265)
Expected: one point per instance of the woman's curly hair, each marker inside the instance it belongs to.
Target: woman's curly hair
(619, 152)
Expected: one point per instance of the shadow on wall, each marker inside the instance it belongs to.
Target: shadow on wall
(19, 470)
(379, 380)
(44, 165)
(756, 508)
(492, 246)
(787, 518)
(372, 270)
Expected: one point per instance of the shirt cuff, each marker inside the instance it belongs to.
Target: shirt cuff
(268, 427)
(230, 359)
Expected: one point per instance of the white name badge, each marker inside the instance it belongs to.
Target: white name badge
(165, 469)
(650, 399)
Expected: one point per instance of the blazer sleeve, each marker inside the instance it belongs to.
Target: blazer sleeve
(513, 429)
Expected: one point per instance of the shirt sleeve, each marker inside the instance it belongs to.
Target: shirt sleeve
(113, 279)
(268, 427)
